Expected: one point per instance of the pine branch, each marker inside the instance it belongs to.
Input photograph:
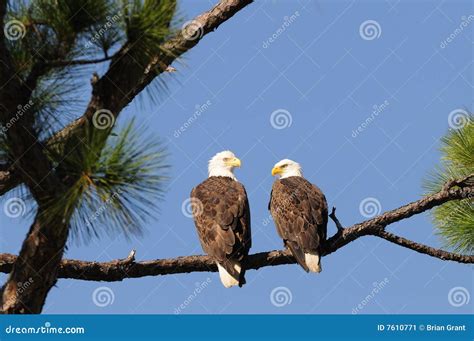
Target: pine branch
(427, 250)
(453, 222)
(118, 270)
(181, 43)
(62, 63)
(42, 250)
(109, 91)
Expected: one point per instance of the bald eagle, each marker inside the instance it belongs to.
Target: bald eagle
(300, 212)
(222, 218)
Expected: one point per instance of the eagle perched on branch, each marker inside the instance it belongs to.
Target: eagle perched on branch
(222, 218)
(300, 212)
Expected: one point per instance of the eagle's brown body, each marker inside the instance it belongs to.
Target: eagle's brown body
(222, 217)
(300, 212)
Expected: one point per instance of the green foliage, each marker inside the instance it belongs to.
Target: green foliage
(70, 30)
(148, 24)
(455, 219)
(113, 183)
(117, 187)
(53, 29)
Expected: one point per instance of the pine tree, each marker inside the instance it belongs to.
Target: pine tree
(91, 177)
(84, 175)
(455, 219)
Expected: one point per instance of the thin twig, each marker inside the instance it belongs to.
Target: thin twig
(336, 221)
(121, 269)
(61, 63)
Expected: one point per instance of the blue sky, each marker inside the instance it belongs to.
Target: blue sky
(322, 76)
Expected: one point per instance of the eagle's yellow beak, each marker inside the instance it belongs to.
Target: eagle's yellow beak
(234, 162)
(276, 170)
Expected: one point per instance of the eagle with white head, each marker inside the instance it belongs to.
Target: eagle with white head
(222, 218)
(300, 212)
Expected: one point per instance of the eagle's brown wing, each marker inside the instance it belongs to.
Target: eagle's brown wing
(300, 212)
(222, 217)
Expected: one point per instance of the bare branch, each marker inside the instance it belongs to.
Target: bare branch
(62, 63)
(119, 270)
(336, 221)
(42, 250)
(425, 249)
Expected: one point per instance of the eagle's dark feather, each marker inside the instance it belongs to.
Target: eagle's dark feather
(300, 212)
(222, 217)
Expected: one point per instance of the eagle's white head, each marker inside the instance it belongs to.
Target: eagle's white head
(223, 164)
(286, 168)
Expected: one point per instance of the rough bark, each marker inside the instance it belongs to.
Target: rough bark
(441, 254)
(34, 272)
(39, 262)
(113, 92)
(121, 269)
(42, 250)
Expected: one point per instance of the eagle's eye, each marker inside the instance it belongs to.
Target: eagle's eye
(226, 159)
(284, 166)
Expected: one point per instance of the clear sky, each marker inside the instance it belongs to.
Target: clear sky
(321, 76)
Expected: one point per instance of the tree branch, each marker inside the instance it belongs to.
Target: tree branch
(332, 215)
(62, 63)
(108, 91)
(425, 249)
(7, 182)
(121, 269)
(374, 225)
(181, 43)
(42, 250)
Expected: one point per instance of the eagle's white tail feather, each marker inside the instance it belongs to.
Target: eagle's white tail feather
(313, 262)
(226, 279)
